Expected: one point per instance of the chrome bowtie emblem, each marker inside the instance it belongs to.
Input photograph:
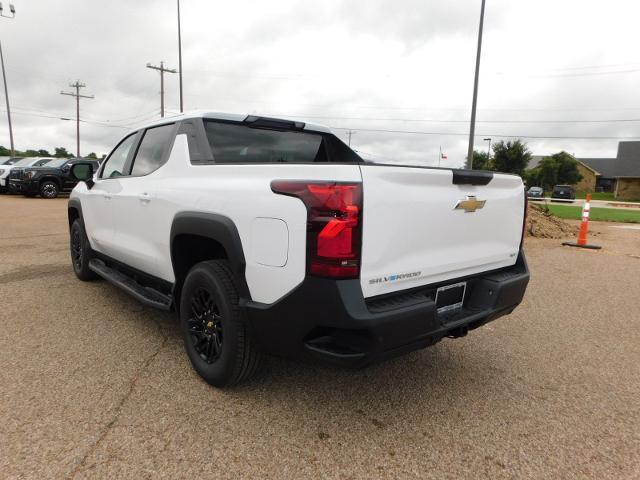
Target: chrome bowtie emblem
(471, 204)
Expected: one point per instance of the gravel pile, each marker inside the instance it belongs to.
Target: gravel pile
(542, 224)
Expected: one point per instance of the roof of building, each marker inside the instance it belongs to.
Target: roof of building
(602, 166)
(626, 163)
(535, 161)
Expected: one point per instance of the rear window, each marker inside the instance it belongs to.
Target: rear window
(238, 143)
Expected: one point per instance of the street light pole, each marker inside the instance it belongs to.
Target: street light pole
(472, 129)
(489, 149)
(12, 9)
(180, 57)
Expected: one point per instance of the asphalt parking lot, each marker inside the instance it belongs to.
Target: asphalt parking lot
(94, 384)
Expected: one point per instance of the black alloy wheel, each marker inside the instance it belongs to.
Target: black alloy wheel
(80, 251)
(76, 249)
(214, 325)
(49, 189)
(205, 325)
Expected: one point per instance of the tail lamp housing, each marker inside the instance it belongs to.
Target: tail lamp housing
(524, 218)
(334, 224)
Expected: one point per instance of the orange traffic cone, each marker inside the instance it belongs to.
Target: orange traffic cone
(584, 228)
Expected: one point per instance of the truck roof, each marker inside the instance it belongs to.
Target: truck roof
(234, 117)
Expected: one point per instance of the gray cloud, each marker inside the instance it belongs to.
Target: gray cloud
(376, 64)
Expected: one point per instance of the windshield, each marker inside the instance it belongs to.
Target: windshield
(24, 162)
(57, 162)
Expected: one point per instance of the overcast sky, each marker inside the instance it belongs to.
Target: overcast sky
(400, 65)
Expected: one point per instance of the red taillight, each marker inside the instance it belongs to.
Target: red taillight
(334, 212)
(524, 218)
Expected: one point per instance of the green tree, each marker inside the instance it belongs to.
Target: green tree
(43, 153)
(31, 153)
(547, 173)
(568, 173)
(481, 161)
(92, 155)
(511, 157)
(4, 152)
(559, 169)
(62, 152)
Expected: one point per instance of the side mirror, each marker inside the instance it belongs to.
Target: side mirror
(83, 172)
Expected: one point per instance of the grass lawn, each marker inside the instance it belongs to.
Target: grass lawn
(605, 196)
(598, 214)
(597, 195)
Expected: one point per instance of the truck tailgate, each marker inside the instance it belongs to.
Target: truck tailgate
(414, 235)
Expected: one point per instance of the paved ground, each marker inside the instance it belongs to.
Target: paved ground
(94, 385)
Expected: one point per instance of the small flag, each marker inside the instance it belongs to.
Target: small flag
(443, 156)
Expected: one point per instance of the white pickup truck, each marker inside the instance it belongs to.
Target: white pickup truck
(272, 236)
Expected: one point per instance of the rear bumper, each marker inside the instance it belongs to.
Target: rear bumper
(330, 321)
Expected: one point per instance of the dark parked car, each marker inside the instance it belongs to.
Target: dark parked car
(535, 193)
(49, 180)
(565, 192)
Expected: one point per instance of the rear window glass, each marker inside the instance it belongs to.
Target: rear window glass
(236, 143)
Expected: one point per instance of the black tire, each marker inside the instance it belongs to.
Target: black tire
(214, 326)
(81, 252)
(49, 189)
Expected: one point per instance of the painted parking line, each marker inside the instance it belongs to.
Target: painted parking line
(626, 227)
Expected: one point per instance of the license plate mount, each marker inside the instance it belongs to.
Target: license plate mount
(450, 297)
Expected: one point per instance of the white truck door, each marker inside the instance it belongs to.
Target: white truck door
(97, 202)
(136, 228)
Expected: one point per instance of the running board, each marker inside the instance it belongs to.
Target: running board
(146, 295)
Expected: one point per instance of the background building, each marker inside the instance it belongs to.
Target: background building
(620, 175)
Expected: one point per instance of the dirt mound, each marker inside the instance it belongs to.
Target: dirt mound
(542, 224)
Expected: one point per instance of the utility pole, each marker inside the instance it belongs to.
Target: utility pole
(77, 86)
(489, 148)
(350, 132)
(161, 69)
(180, 57)
(472, 130)
(12, 9)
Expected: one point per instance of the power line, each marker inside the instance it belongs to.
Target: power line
(541, 137)
(322, 117)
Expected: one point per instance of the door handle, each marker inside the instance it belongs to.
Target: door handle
(144, 197)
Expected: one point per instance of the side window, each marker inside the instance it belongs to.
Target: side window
(118, 158)
(151, 153)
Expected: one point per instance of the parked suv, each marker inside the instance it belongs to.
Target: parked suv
(535, 193)
(563, 191)
(273, 236)
(47, 180)
(15, 162)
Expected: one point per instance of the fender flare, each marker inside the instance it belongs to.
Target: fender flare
(74, 203)
(51, 178)
(220, 229)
